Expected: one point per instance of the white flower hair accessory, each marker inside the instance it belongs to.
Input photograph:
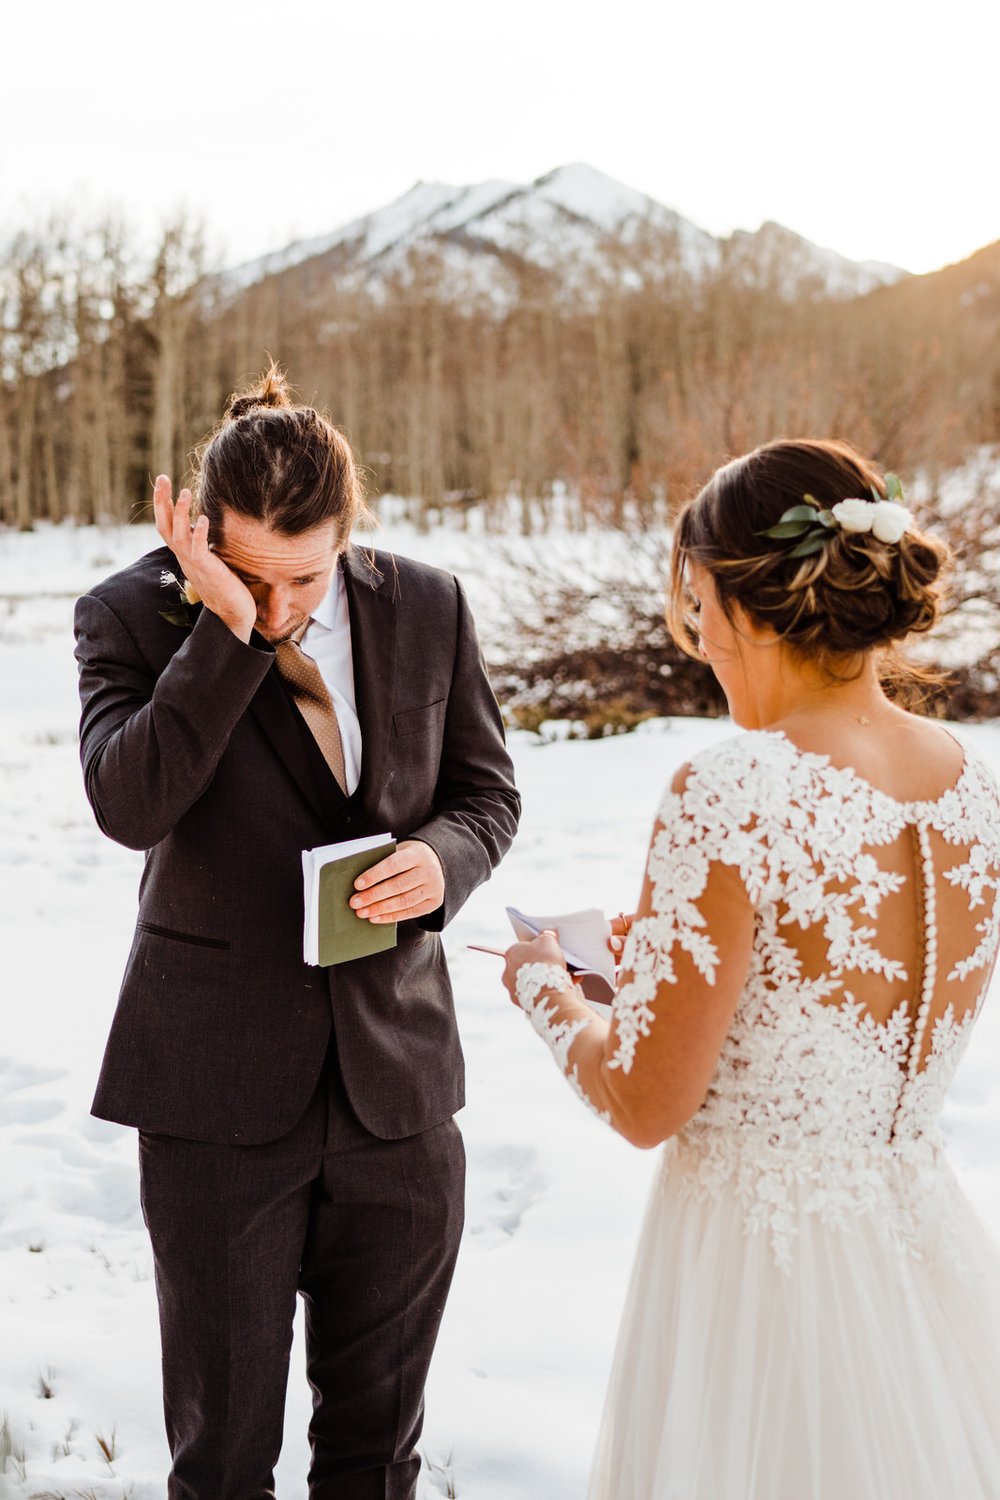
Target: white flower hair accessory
(811, 526)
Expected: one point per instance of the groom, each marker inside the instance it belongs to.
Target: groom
(295, 1122)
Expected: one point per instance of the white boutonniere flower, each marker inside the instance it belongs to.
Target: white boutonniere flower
(183, 615)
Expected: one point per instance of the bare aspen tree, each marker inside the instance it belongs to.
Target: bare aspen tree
(176, 271)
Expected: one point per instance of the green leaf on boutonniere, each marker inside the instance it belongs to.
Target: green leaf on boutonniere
(182, 617)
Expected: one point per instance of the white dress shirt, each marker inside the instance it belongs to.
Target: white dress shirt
(327, 639)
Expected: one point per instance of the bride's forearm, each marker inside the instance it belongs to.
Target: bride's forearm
(579, 1040)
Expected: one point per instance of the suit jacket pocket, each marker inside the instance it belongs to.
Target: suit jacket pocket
(419, 720)
(182, 937)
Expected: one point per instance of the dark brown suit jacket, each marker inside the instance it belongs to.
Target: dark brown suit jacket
(193, 751)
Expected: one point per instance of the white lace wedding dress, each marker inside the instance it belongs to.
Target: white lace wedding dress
(814, 1312)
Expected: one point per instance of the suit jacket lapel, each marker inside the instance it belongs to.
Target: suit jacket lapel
(371, 604)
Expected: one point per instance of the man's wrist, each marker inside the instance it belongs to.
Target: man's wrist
(240, 627)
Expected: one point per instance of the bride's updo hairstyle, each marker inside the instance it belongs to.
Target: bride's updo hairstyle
(854, 595)
(279, 463)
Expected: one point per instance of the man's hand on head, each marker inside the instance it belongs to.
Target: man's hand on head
(409, 883)
(216, 584)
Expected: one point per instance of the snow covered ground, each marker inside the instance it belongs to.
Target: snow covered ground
(554, 1198)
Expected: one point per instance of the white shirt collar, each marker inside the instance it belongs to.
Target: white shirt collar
(330, 606)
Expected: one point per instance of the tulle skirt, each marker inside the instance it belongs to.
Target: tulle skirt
(861, 1371)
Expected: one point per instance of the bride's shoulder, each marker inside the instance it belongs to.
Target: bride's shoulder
(747, 749)
(742, 775)
(730, 804)
(752, 755)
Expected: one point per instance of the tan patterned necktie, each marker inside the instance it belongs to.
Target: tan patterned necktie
(314, 702)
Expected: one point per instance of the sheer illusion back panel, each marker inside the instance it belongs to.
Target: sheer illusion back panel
(912, 932)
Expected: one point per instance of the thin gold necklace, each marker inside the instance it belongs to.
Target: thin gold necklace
(836, 708)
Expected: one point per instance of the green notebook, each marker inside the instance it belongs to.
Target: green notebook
(333, 933)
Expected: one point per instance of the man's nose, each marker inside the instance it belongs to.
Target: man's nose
(273, 607)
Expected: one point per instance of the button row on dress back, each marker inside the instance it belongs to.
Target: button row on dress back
(930, 951)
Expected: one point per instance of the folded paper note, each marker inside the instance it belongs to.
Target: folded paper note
(583, 937)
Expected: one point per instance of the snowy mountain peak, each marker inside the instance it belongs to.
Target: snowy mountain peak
(589, 194)
(566, 222)
(800, 262)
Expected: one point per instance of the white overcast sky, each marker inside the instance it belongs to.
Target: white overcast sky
(870, 126)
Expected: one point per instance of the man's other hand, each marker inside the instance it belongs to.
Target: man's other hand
(216, 585)
(409, 883)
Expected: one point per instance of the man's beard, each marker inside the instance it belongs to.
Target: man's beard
(286, 632)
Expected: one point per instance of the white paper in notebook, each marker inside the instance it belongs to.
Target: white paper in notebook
(332, 933)
(583, 937)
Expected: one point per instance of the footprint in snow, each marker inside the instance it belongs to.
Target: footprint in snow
(17, 1106)
(16, 1075)
(29, 1111)
(505, 1182)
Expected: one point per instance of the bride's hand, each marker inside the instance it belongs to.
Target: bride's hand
(544, 949)
(621, 926)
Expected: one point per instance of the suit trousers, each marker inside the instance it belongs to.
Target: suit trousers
(367, 1231)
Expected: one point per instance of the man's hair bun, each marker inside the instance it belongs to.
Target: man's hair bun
(271, 390)
(279, 463)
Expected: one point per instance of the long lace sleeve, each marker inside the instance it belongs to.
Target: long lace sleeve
(685, 961)
(546, 993)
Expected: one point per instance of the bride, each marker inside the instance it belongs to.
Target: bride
(814, 1311)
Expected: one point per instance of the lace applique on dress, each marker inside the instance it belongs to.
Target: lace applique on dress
(559, 1035)
(815, 1105)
